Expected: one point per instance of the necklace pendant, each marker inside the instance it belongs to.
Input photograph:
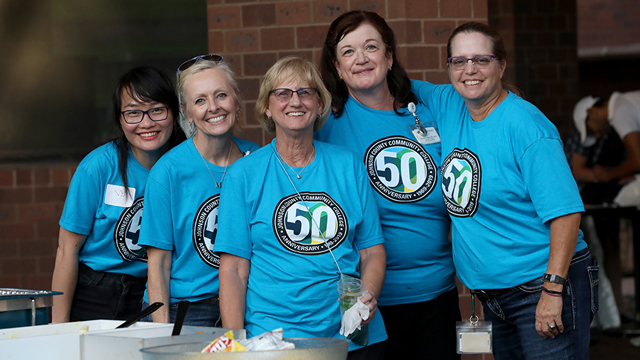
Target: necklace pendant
(298, 176)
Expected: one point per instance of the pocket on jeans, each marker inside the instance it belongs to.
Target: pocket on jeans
(594, 284)
(532, 286)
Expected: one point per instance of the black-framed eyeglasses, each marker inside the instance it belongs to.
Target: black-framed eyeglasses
(208, 57)
(284, 94)
(135, 116)
(479, 61)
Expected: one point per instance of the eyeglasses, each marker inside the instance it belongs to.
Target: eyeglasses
(480, 61)
(136, 116)
(284, 95)
(209, 57)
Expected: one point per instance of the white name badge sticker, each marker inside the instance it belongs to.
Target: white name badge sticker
(116, 195)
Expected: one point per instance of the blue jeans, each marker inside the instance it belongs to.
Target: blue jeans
(102, 295)
(513, 314)
(198, 314)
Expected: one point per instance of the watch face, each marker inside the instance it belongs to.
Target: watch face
(554, 279)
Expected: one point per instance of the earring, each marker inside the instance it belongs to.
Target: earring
(340, 76)
(238, 114)
(390, 67)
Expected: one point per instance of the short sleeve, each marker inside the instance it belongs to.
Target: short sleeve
(625, 118)
(156, 229)
(548, 178)
(369, 232)
(234, 232)
(83, 199)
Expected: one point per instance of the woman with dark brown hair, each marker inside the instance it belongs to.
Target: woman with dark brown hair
(376, 114)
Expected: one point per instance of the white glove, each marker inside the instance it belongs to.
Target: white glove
(352, 318)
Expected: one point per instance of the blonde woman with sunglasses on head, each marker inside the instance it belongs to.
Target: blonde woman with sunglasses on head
(180, 224)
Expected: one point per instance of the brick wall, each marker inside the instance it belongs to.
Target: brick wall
(31, 200)
(541, 40)
(252, 35)
(608, 22)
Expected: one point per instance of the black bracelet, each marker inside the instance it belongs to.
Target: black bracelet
(554, 279)
(551, 291)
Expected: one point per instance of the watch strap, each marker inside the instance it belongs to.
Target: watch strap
(554, 279)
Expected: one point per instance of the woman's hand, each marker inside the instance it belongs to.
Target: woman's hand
(549, 316)
(563, 238)
(373, 263)
(371, 301)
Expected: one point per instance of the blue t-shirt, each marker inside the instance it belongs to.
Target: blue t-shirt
(182, 216)
(293, 279)
(404, 175)
(98, 207)
(503, 179)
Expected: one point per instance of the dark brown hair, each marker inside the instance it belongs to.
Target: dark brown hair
(397, 78)
(497, 46)
(145, 84)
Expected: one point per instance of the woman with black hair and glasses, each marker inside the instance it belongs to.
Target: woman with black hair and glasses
(100, 267)
(180, 222)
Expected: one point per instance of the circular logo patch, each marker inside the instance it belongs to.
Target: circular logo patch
(127, 233)
(205, 229)
(301, 231)
(461, 174)
(400, 169)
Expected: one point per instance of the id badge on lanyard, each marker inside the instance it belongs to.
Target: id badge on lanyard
(424, 134)
(474, 336)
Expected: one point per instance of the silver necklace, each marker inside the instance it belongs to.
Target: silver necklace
(298, 175)
(218, 184)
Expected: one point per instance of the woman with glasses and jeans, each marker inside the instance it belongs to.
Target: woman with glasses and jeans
(180, 221)
(371, 93)
(514, 204)
(100, 267)
(284, 204)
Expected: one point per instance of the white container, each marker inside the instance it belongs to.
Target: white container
(114, 344)
(53, 341)
(97, 339)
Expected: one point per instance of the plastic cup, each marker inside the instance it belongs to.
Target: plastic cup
(350, 288)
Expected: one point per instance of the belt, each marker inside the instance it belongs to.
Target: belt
(491, 293)
(212, 301)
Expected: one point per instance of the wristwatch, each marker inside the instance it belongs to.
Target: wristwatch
(554, 279)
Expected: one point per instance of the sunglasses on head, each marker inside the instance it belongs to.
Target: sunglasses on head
(209, 57)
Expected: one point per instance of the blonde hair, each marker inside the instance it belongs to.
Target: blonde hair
(190, 128)
(287, 69)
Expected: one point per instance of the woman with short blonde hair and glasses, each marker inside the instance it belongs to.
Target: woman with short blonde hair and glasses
(298, 216)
